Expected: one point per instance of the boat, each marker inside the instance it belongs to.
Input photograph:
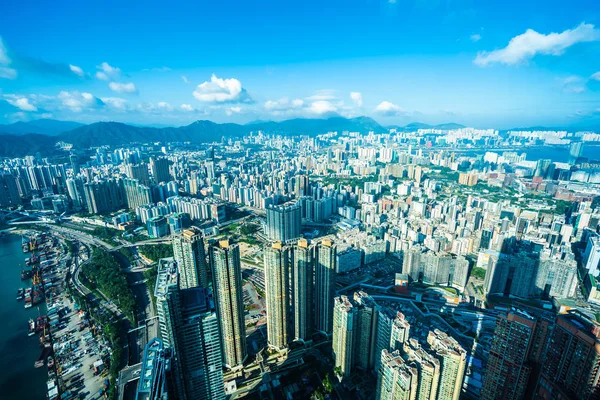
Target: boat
(20, 294)
(50, 362)
(26, 273)
(42, 358)
(28, 305)
(31, 327)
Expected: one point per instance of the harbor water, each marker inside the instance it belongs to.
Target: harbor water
(19, 380)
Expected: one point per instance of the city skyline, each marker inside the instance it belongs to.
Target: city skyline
(395, 61)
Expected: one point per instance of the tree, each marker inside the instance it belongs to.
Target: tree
(327, 386)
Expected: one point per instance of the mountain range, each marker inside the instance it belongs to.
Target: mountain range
(22, 138)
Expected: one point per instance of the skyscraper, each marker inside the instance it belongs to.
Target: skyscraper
(571, 368)
(188, 251)
(302, 293)
(344, 329)
(138, 172)
(155, 373)
(284, 222)
(188, 324)
(508, 367)
(367, 314)
(160, 169)
(453, 362)
(396, 379)
(277, 293)
(325, 256)
(428, 368)
(227, 287)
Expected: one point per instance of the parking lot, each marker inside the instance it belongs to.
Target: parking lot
(80, 355)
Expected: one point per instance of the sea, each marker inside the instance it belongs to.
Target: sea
(19, 380)
(554, 153)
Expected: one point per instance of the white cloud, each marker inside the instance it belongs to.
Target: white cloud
(525, 46)
(323, 94)
(574, 89)
(186, 107)
(8, 73)
(102, 76)
(115, 102)
(185, 79)
(165, 106)
(5, 61)
(476, 37)
(595, 76)
(107, 72)
(389, 109)
(219, 90)
(76, 101)
(233, 110)
(22, 103)
(356, 98)
(157, 69)
(321, 107)
(122, 87)
(76, 70)
(283, 104)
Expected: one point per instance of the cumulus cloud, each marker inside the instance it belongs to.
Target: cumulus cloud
(233, 110)
(356, 98)
(219, 90)
(107, 72)
(76, 101)
(115, 102)
(283, 104)
(122, 87)
(22, 103)
(527, 45)
(475, 37)
(320, 107)
(164, 106)
(186, 107)
(389, 109)
(5, 61)
(595, 76)
(76, 70)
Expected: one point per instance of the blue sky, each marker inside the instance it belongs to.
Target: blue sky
(506, 64)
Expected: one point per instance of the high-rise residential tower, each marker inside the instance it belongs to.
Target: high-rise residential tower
(227, 288)
(302, 293)
(160, 169)
(344, 330)
(276, 258)
(453, 360)
(571, 368)
(284, 222)
(508, 367)
(367, 314)
(325, 258)
(395, 378)
(188, 251)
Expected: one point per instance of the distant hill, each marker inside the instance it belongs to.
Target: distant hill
(413, 126)
(28, 144)
(115, 133)
(49, 127)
